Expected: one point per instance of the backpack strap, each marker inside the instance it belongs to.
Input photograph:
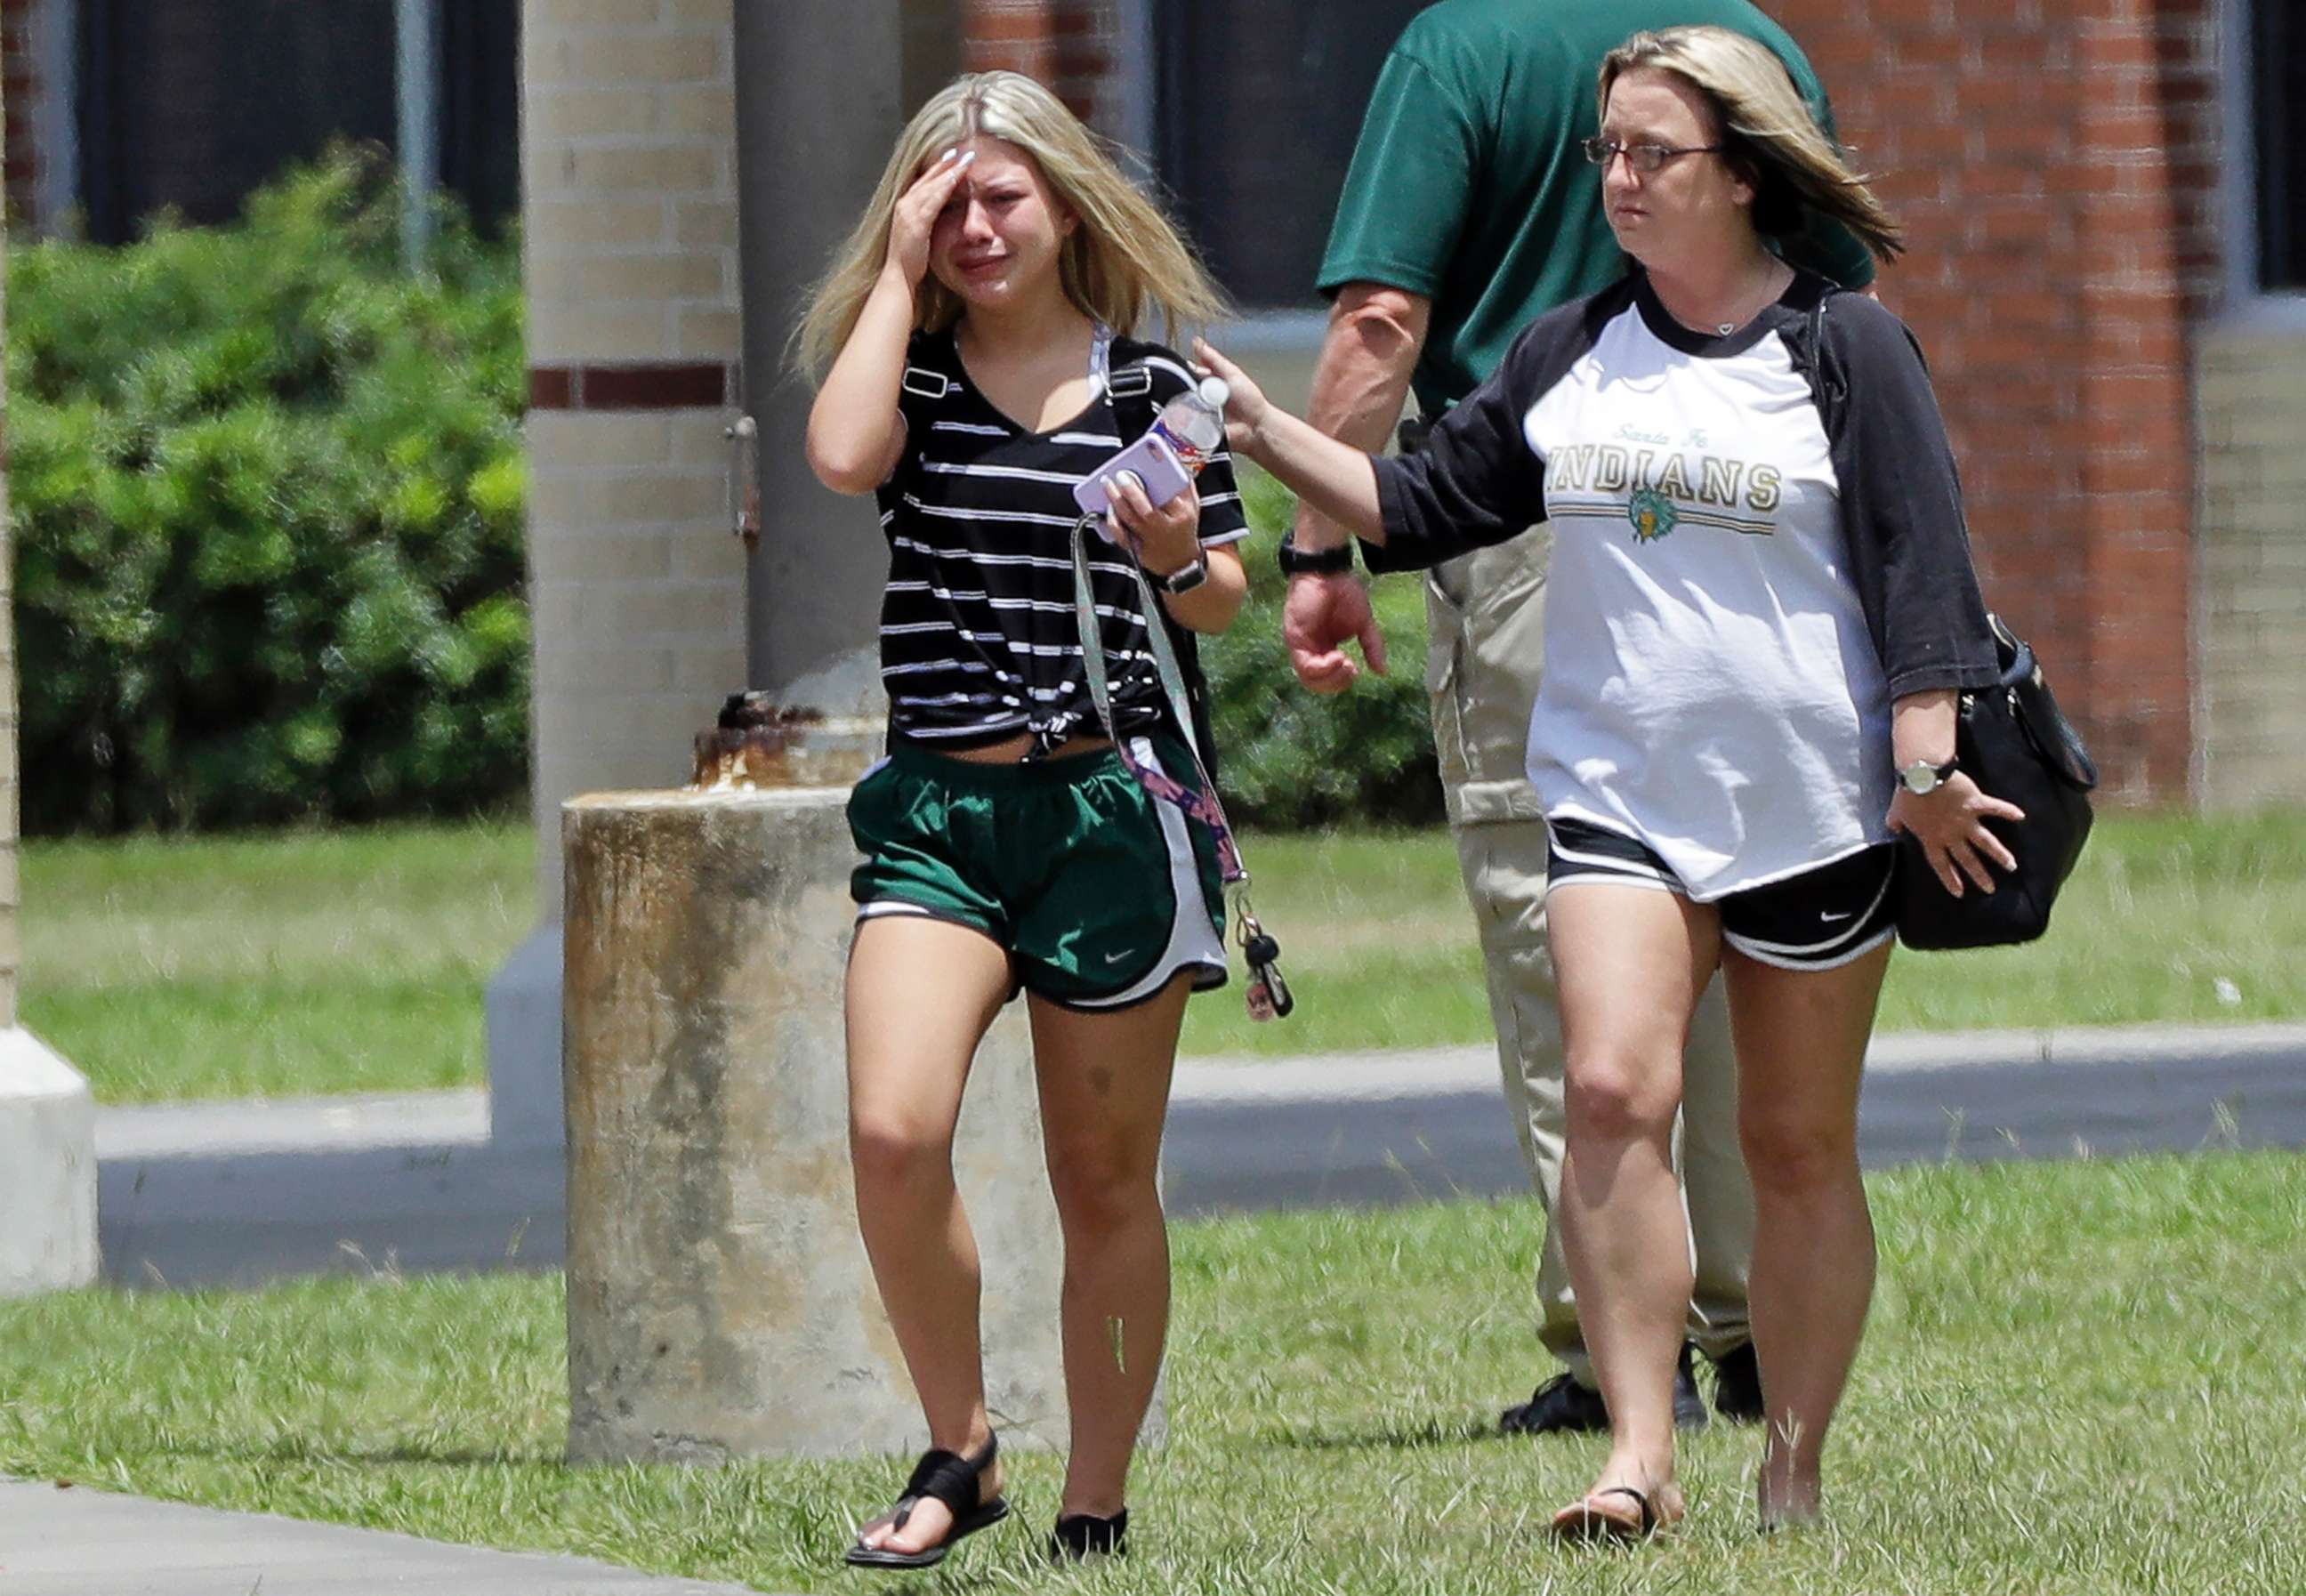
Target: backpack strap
(921, 393)
(1130, 388)
(920, 382)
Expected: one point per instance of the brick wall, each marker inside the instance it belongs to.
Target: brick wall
(628, 154)
(2188, 99)
(2049, 159)
(1070, 45)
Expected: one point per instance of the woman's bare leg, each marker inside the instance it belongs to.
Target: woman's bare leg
(1104, 1093)
(920, 995)
(1631, 964)
(1801, 1043)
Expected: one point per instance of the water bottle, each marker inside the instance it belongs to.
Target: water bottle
(1194, 422)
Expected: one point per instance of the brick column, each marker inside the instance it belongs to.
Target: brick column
(2250, 694)
(2138, 445)
(2056, 255)
(636, 583)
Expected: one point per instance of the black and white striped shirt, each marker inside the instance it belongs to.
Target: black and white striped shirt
(978, 640)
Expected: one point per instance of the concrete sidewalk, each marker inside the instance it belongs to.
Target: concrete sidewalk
(56, 1542)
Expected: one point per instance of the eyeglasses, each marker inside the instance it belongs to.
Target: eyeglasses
(1643, 158)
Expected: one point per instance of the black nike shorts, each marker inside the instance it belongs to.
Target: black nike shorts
(1815, 921)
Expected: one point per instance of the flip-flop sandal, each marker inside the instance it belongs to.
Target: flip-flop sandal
(1583, 1521)
(944, 1477)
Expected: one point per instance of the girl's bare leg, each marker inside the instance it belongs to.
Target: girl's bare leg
(1801, 1043)
(1631, 964)
(921, 993)
(1105, 1092)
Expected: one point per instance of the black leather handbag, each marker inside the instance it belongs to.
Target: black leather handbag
(2013, 741)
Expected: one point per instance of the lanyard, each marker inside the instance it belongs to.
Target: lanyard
(1269, 993)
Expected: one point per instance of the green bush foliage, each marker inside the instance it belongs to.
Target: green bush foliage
(267, 491)
(1293, 758)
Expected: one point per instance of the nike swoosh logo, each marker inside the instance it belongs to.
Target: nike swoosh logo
(1117, 957)
(1837, 919)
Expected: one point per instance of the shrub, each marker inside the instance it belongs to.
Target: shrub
(1293, 758)
(268, 493)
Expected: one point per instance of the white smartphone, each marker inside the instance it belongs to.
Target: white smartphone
(1150, 459)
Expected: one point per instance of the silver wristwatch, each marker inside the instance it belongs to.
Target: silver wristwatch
(1185, 578)
(1922, 778)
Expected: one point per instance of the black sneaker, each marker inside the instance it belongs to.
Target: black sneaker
(1561, 1406)
(1688, 1406)
(1737, 1385)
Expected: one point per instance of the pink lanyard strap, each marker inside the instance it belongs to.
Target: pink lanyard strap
(1269, 993)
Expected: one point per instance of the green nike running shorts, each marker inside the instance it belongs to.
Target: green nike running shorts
(1099, 892)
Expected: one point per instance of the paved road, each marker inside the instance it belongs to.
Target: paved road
(240, 1192)
(83, 1542)
(1405, 1127)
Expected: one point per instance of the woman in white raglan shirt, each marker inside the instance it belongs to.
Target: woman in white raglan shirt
(1761, 610)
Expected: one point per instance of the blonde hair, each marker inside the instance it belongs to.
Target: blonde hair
(1790, 162)
(1124, 261)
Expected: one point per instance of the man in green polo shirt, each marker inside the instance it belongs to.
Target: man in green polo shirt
(1469, 211)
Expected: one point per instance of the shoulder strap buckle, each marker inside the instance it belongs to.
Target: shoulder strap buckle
(1132, 381)
(925, 384)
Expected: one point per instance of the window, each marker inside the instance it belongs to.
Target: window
(2277, 101)
(1258, 106)
(190, 104)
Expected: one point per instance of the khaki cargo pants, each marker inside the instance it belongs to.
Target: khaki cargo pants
(1487, 614)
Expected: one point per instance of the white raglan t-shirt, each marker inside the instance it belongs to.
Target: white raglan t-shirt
(1711, 685)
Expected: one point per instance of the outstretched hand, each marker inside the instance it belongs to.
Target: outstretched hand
(1245, 409)
(1322, 611)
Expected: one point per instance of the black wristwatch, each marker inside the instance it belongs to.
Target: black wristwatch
(1326, 562)
(1184, 578)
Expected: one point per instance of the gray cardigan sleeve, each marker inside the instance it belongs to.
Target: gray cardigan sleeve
(1901, 500)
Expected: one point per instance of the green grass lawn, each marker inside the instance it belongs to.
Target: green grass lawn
(327, 962)
(2080, 1379)
(355, 960)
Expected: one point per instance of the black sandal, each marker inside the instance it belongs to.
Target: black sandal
(1580, 1522)
(1081, 1536)
(944, 1477)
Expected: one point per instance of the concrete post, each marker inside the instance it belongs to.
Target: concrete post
(47, 1118)
(47, 1170)
(720, 1302)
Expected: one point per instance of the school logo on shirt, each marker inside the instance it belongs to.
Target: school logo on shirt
(1652, 513)
(1659, 490)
